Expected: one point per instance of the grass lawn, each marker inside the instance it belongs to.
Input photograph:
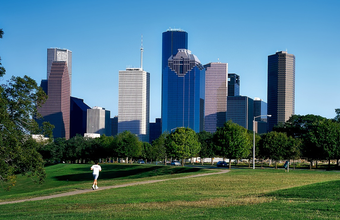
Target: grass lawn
(239, 194)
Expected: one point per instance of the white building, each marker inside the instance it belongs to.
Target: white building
(134, 102)
(98, 121)
(56, 54)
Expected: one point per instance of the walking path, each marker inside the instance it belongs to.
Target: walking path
(109, 187)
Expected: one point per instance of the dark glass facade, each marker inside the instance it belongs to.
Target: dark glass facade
(172, 41)
(78, 117)
(240, 110)
(183, 92)
(155, 130)
(233, 84)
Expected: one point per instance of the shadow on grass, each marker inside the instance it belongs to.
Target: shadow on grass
(126, 172)
(325, 190)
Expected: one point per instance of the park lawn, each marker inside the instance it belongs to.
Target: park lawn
(69, 177)
(239, 194)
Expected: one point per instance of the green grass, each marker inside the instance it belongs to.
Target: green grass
(70, 177)
(239, 194)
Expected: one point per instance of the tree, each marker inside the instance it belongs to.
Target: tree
(232, 141)
(19, 98)
(277, 146)
(207, 147)
(158, 148)
(183, 144)
(128, 145)
(305, 127)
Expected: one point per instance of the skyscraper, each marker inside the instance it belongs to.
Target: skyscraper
(56, 109)
(56, 54)
(173, 39)
(240, 110)
(216, 91)
(98, 121)
(134, 102)
(183, 92)
(233, 84)
(281, 87)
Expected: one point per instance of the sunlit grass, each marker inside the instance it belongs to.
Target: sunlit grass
(239, 194)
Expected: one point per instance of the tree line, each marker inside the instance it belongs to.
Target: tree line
(309, 137)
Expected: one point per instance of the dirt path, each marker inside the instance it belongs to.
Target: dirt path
(109, 187)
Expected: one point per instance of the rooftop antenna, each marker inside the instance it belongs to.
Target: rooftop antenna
(218, 60)
(141, 53)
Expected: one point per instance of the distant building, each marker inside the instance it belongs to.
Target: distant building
(281, 88)
(216, 92)
(233, 84)
(183, 92)
(78, 115)
(240, 110)
(98, 121)
(91, 135)
(56, 109)
(260, 112)
(57, 54)
(114, 126)
(155, 130)
(134, 102)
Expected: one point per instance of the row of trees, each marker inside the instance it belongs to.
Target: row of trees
(311, 137)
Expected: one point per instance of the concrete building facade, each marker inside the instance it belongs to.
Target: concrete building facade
(98, 121)
(134, 102)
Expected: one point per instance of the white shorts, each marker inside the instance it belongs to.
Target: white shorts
(95, 176)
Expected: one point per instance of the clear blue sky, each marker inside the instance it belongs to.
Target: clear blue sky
(104, 37)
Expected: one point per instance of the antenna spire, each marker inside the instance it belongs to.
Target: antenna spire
(141, 53)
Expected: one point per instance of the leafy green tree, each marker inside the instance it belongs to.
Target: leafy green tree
(19, 98)
(207, 147)
(128, 145)
(146, 147)
(182, 144)
(232, 141)
(277, 146)
(305, 127)
(158, 148)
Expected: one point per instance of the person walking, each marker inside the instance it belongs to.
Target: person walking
(96, 169)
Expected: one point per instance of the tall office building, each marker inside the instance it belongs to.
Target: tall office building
(183, 92)
(240, 110)
(233, 84)
(56, 54)
(98, 121)
(281, 88)
(173, 39)
(56, 109)
(216, 92)
(134, 102)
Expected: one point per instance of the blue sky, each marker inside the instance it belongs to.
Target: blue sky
(105, 37)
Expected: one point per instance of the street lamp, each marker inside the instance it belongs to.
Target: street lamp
(254, 138)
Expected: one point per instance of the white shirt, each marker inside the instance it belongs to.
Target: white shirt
(96, 168)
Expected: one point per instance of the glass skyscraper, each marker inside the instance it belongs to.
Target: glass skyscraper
(281, 88)
(183, 84)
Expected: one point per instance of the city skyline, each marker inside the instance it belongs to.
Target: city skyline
(242, 34)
